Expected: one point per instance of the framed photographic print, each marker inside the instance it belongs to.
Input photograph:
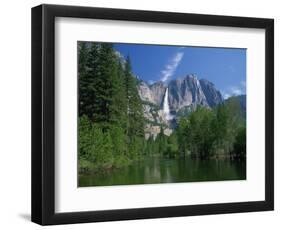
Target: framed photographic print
(141, 114)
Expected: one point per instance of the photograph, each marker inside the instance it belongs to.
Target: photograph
(151, 114)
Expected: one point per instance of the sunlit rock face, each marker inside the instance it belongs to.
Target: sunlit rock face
(212, 95)
(145, 92)
(182, 92)
(158, 90)
(163, 103)
(186, 91)
(152, 93)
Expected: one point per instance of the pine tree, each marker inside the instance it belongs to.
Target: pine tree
(83, 78)
(118, 106)
(103, 89)
(134, 104)
(111, 131)
(135, 122)
(162, 140)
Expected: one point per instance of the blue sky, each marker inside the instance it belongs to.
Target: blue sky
(225, 67)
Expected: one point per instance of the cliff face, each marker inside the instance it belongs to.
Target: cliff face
(212, 95)
(184, 94)
(152, 93)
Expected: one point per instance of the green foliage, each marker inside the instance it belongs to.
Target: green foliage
(134, 104)
(85, 137)
(239, 149)
(172, 149)
(183, 136)
(162, 141)
(201, 133)
(163, 146)
(111, 123)
(95, 146)
(206, 133)
(151, 147)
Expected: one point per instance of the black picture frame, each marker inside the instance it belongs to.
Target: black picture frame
(43, 114)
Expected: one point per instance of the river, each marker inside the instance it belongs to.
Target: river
(153, 170)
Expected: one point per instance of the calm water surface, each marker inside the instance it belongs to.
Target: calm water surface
(157, 170)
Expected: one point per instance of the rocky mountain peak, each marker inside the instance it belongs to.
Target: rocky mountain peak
(186, 91)
(184, 94)
(152, 93)
(213, 96)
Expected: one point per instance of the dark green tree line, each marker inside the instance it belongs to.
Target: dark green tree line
(110, 110)
(219, 132)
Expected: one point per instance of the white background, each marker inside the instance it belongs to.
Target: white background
(15, 115)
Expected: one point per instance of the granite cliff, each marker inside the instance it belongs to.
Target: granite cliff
(164, 103)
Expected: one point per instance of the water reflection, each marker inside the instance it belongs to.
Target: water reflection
(157, 170)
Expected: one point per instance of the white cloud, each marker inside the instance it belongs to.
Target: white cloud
(171, 67)
(225, 95)
(235, 90)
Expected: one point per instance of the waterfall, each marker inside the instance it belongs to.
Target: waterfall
(166, 107)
